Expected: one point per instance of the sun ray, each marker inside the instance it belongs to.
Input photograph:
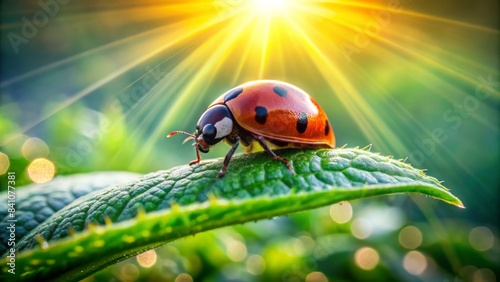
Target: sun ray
(197, 83)
(85, 54)
(207, 47)
(407, 12)
(348, 95)
(179, 37)
(265, 46)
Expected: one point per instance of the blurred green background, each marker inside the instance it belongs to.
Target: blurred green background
(97, 85)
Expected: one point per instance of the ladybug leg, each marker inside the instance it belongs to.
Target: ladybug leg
(198, 158)
(228, 158)
(263, 143)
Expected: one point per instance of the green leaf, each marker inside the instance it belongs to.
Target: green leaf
(121, 221)
(35, 203)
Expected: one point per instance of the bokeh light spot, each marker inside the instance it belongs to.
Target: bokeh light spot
(484, 275)
(34, 148)
(481, 238)
(256, 265)
(129, 272)
(316, 277)
(41, 170)
(410, 237)
(341, 212)
(183, 277)
(308, 243)
(382, 220)
(169, 266)
(361, 228)
(236, 250)
(4, 163)
(415, 262)
(366, 258)
(147, 259)
(298, 247)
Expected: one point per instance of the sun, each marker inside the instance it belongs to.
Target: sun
(269, 6)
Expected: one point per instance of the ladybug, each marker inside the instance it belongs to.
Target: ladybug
(272, 113)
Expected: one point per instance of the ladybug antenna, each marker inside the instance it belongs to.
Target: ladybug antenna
(191, 136)
(187, 139)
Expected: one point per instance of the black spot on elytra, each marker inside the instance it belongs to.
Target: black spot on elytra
(280, 91)
(302, 123)
(233, 94)
(327, 127)
(260, 114)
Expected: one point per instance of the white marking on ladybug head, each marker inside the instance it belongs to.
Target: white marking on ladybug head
(224, 127)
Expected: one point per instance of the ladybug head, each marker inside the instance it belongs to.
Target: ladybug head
(214, 125)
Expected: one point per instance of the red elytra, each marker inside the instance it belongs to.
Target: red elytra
(273, 113)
